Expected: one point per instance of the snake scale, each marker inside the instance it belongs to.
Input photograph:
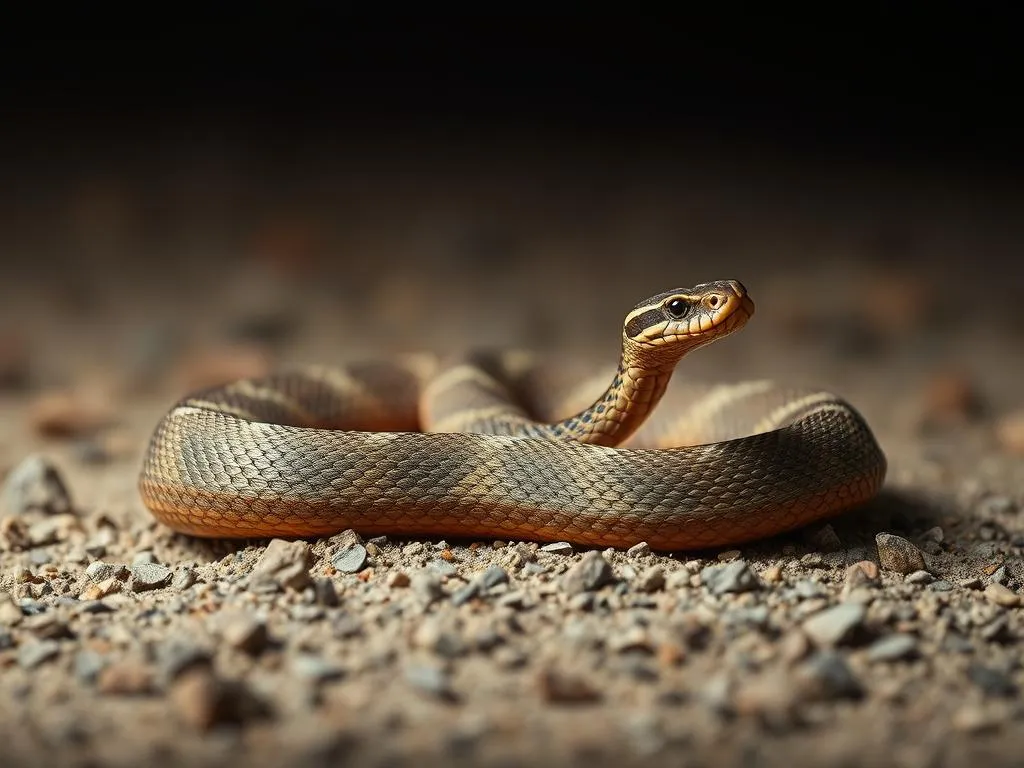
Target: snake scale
(472, 448)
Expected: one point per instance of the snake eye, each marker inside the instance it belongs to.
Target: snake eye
(713, 301)
(677, 308)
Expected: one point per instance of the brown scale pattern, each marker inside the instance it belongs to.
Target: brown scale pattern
(285, 457)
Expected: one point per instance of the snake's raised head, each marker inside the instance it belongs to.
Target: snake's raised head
(687, 318)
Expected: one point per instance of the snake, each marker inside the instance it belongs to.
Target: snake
(477, 446)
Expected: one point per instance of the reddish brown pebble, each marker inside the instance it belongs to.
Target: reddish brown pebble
(64, 414)
(563, 688)
(671, 654)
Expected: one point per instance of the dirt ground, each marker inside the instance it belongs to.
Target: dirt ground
(122, 643)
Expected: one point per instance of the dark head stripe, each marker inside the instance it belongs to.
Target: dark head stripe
(636, 324)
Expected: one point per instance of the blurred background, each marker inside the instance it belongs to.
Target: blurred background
(185, 198)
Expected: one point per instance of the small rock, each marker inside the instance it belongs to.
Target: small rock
(178, 654)
(352, 559)
(493, 576)
(772, 575)
(400, 579)
(973, 583)
(183, 578)
(10, 612)
(285, 564)
(652, 580)
(732, 577)
(558, 548)
(558, 687)
(144, 558)
(307, 666)
(35, 485)
(940, 586)
(464, 594)
(100, 571)
(443, 568)
(825, 676)
(898, 555)
(326, 594)
(892, 648)
(639, 550)
(430, 679)
(808, 589)
(919, 577)
(243, 632)
(88, 665)
(101, 590)
(591, 573)
(834, 625)
(427, 586)
(1002, 596)
(203, 701)
(149, 576)
(32, 654)
(47, 626)
(824, 539)
(125, 677)
(992, 682)
(812, 560)
(68, 414)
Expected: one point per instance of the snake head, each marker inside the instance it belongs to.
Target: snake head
(686, 318)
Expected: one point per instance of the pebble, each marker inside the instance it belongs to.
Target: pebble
(992, 682)
(940, 586)
(284, 564)
(125, 677)
(919, 577)
(47, 626)
(180, 653)
(315, 669)
(892, 648)
(733, 577)
(430, 679)
(427, 586)
(559, 687)
(558, 548)
(642, 549)
(399, 579)
(68, 414)
(243, 632)
(98, 571)
(326, 594)
(898, 555)
(352, 559)
(1001, 595)
(835, 625)
(148, 576)
(202, 700)
(591, 573)
(443, 568)
(33, 654)
(88, 665)
(101, 590)
(10, 612)
(35, 485)
(825, 676)
(824, 539)
(183, 578)
(466, 593)
(492, 577)
(652, 579)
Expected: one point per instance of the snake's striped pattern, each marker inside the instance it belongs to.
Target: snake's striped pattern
(318, 450)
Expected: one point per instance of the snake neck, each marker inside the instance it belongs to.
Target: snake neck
(639, 383)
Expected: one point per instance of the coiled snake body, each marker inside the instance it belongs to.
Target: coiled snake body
(411, 447)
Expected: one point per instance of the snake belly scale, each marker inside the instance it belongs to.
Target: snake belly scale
(475, 449)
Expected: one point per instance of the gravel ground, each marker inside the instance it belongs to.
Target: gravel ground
(891, 636)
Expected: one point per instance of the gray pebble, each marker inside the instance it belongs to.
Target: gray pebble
(806, 588)
(825, 676)
(183, 578)
(493, 576)
(835, 625)
(98, 571)
(892, 648)
(898, 555)
(919, 577)
(284, 564)
(639, 550)
(412, 548)
(347, 625)
(533, 569)
(558, 548)
(39, 556)
(179, 654)
(32, 654)
(144, 557)
(515, 600)
(147, 576)
(940, 586)
(824, 539)
(992, 682)
(306, 666)
(465, 594)
(429, 679)
(591, 573)
(442, 568)
(88, 665)
(35, 485)
(731, 577)
(999, 576)
(652, 580)
(326, 594)
(306, 613)
(352, 559)
(427, 585)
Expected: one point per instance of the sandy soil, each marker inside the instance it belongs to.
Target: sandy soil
(123, 643)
